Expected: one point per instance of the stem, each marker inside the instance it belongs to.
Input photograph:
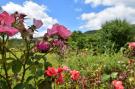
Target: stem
(4, 62)
(12, 53)
(2, 76)
(24, 71)
(26, 59)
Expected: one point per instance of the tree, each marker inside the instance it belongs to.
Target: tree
(115, 34)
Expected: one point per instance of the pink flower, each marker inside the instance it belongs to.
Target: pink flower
(66, 68)
(60, 79)
(57, 43)
(51, 71)
(43, 46)
(59, 30)
(75, 74)
(37, 23)
(64, 32)
(131, 45)
(117, 84)
(53, 30)
(10, 31)
(6, 21)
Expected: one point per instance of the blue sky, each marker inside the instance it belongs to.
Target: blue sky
(67, 12)
(80, 15)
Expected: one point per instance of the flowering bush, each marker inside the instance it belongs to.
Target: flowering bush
(30, 70)
(58, 74)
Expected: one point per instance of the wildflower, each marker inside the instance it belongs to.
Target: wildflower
(43, 46)
(51, 71)
(37, 23)
(6, 21)
(75, 75)
(117, 84)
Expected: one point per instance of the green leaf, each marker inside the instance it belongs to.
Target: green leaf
(10, 58)
(45, 85)
(29, 86)
(29, 62)
(38, 57)
(33, 69)
(29, 78)
(19, 86)
(46, 64)
(40, 65)
(105, 77)
(114, 75)
(3, 84)
(39, 72)
(16, 66)
(1, 61)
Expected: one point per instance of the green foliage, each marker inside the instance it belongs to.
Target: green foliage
(115, 34)
(81, 40)
(3, 84)
(16, 66)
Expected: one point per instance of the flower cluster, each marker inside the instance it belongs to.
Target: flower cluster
(14, 23)
(117, 84)
(26, 32)
(58, 74)
(55, 37)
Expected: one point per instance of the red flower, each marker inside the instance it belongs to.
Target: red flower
(117, 84)
(37, 23)
(131, 45)
(51, 71)
(60, 79)
(6, 21)
(59, 70)
(43, 46)
(59, 30)
(75, 74)
(120, 87)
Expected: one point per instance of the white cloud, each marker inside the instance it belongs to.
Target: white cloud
(33, 10)
(110, 2)
(121, 9)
